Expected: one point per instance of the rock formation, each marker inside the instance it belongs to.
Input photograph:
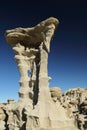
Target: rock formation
(2, 119)
(75, 108)
(38, 107)
(74, 102)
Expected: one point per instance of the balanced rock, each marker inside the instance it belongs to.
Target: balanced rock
(56, 92)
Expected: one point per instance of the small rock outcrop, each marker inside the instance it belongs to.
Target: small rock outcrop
(56, 93)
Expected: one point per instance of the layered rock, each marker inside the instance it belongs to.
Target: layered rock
(38, 106)
(10, 118)
(75, 103)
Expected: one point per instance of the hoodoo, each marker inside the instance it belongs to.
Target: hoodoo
(38, 106)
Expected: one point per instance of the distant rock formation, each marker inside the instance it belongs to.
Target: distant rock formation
(40, 107)
(75, 103)
(71, 104)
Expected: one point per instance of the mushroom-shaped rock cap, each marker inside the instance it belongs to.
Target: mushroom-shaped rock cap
(31, 36)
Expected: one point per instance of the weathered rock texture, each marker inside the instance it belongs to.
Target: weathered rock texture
(75, 103)
(38, 107)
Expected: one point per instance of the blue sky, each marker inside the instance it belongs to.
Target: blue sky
(68, 57)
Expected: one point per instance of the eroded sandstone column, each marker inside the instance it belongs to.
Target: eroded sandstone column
(25, 58)
(43, 74)
(31, 46)
(35, 109)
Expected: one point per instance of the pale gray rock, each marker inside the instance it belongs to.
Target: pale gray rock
(56, 93)
(2, 119)
(34, 36)
(76, 100)
(38, 107)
